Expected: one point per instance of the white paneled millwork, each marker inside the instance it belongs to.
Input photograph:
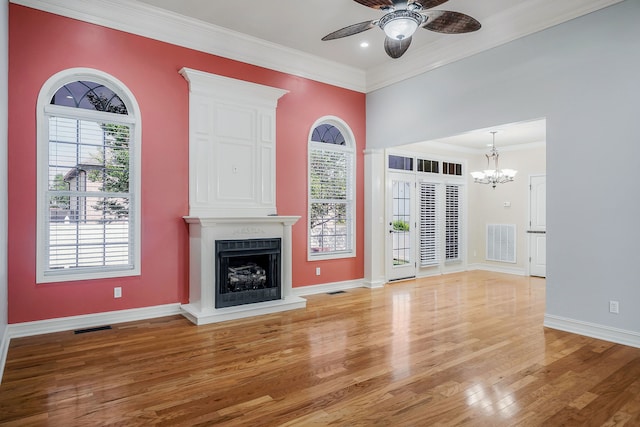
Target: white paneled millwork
(232, 146)
(375, 235)
(232, 188)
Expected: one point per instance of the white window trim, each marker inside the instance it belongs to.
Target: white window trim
(43, 110)
(350, 146)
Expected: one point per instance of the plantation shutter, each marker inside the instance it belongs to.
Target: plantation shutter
(330, 173)
(331, 179)
(429, 220)
(452, 222)
(88, 195)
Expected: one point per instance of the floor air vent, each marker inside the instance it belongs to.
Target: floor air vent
(84, 331)
(335, 292)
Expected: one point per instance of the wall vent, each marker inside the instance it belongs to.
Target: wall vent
(501, 242)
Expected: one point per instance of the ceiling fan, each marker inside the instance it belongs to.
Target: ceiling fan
(402, 19)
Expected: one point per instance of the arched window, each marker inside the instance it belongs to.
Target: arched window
(88, 178)
(331, 190)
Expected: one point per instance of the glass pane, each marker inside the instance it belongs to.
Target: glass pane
(401, 163)
(329, 134)
(88, 194)
(401, 221)
(329, 227)
(329, 174)
(89, 96)
(87, 239)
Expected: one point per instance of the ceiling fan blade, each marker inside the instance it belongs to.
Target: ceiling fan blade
(396, 48)
(350, 30)
(386, 4)
(428, 4)
(376, 4)
(447, 22)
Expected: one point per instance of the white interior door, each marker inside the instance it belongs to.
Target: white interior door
(401, 224)
(538, 225)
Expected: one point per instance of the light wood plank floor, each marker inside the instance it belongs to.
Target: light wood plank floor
(463, 349)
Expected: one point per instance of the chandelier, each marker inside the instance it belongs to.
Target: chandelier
(496, 175)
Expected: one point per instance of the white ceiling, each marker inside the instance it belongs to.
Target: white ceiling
(512, 135)
(299, 26)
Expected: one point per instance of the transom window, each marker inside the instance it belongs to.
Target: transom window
(331, 190)
(88, 148)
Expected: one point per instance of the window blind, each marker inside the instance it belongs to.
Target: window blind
(88, 195)
(330, 193)
(452, 222)
(429, 220)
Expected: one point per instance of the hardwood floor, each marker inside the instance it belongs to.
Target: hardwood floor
(463, 349)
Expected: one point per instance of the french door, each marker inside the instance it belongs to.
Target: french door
(401, 226)
(440, 215)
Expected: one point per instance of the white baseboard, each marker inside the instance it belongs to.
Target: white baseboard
(373, 284)
(48, 326)
(4, 349)
(593, 330)
(330, 287)
(497, 269)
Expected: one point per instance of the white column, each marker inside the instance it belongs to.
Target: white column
(374, 229)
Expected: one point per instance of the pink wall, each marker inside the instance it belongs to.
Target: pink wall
(40, 45)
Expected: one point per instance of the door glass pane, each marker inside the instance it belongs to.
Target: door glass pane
(401, 222)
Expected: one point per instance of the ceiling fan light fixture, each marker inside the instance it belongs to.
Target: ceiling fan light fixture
(400, 24)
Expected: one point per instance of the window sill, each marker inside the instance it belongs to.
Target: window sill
(57, 277)
(320, 256)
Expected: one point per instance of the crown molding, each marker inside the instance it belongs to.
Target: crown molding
(148, 21)
(525, 17)
(145, 20)
(474, 151)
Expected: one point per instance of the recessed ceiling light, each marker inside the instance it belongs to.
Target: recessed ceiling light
(364, 44)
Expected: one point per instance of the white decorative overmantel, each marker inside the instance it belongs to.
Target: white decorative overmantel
(232, 146)
(203, 232)
(232, 187)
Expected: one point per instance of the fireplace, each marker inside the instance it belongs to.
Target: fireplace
(248, 271)
(240, 249)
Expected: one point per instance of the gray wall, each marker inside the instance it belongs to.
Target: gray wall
(584, 77)
(4, 39)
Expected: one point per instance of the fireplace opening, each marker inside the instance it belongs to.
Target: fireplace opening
(247, 271)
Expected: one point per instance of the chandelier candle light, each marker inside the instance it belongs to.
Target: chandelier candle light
(496, 175)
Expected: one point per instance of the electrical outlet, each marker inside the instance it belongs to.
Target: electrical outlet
(317, 271)
(614, 307)
(117, 292)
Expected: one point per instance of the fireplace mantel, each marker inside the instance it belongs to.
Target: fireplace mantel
(210, 221)
(203, 232)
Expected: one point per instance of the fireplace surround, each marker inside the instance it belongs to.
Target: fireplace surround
(232, 198)
(204, 232)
